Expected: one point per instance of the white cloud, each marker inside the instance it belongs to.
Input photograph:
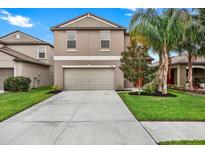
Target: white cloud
(128, 14)
(16, 20)
(131, 11)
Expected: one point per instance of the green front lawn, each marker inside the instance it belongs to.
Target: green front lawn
(13, 103)
(184, 142)
(184, 107)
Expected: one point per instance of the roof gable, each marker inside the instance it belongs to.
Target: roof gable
(24, 39)
(88, 21)
(18, 36)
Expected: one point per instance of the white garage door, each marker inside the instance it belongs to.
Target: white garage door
(89, 79)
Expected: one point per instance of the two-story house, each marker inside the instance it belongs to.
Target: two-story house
(25, 55)
(87, 52)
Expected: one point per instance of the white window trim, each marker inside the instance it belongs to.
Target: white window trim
(39, 52)
(105, 49)
(71, 49)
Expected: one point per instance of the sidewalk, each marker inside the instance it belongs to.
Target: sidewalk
(167, 131)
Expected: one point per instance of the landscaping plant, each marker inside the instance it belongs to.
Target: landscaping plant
(135, 66)
(163, 31)
(18, 83)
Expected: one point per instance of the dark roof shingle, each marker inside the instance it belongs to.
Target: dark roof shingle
(21, 57)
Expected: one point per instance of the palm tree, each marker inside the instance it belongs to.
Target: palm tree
(163, 32)
(193, 40)
(201, 15)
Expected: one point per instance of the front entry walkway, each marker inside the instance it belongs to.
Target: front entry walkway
(75, 117)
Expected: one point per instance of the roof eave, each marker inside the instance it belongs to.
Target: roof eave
(26, 43)
(71, 20)
(18, 58)
(17, 31)
(22, 60)
(185, 63)
(87, 28)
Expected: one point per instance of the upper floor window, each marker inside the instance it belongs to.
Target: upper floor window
(105, 39)
(71, 40)
(42, 52)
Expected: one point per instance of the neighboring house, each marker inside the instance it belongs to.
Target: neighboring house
(87, 52)
(25, 55)
(178, 73)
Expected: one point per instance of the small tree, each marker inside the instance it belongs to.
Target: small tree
(134, 64)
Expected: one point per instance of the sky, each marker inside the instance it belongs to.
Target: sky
(37, 22)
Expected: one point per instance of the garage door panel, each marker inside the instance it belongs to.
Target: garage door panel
(88, 79)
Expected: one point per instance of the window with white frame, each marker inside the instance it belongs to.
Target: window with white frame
(105, 39)
(42, 52)
(71, 39)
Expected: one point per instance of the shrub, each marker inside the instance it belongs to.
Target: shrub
(55, 88)
(150, 88)
(18, 83)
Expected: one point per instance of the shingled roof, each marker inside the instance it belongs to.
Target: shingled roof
(21, 57)
(37, 42)
(59, 26)
(182, 59)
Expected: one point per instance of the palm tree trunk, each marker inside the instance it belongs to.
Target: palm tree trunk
(165, 63)
(190, 70)
(159, 89)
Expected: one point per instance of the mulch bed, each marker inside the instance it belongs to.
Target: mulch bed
(157, 94)
(122, 90)
(196, 91)
(54, 92)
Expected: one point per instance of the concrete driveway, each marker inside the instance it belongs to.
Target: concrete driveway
(75, 117)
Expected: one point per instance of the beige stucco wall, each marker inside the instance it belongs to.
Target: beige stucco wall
(28, 70)
(40, 72)
(127, 41)
(183, 75)
(58, 75)
(88, 43)
(88, 22)
(32, 51)
(6, 61)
